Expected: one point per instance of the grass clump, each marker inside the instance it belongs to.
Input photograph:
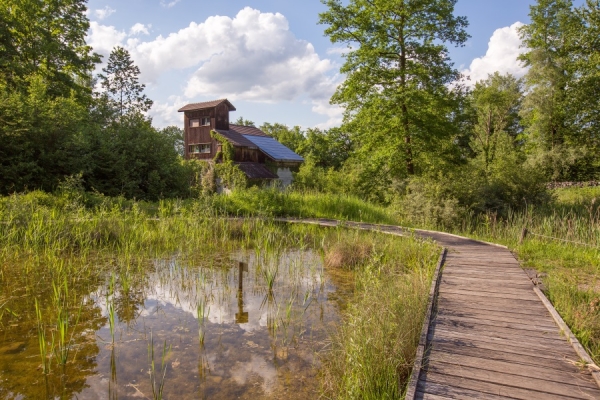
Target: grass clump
(374, 348)
(348, 254)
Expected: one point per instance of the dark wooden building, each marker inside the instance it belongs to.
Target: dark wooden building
(257, 154)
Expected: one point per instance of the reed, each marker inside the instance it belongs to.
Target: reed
(157, 378)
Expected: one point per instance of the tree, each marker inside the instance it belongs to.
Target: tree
(548, 78)
(46, 38)
(175, 134)
(496, 101)
(396, 92)
(243, 122)
(583, 108)
(122, 88)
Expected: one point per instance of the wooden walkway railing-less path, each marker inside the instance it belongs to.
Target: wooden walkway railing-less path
(491, 336)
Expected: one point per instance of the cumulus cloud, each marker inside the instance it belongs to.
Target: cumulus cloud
(103, 13)
(139, 28)
(252, 56)
(503, 49)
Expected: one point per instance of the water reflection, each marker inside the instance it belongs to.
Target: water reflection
(247, 325)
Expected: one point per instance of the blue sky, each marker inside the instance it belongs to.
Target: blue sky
(269, 57)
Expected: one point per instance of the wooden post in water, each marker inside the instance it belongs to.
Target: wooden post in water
(241, 317)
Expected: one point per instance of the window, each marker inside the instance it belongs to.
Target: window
(199, 148)
(197, 122)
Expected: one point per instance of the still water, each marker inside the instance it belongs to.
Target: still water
(243, 325)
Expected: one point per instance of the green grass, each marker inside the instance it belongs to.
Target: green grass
(374, 348)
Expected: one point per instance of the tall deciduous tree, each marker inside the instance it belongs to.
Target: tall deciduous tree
(583, 109)
(547, 38)
(397, 74)
(120, 80)
(46, 38)
(496, 101)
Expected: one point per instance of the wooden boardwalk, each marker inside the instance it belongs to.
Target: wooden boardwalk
(491, 337)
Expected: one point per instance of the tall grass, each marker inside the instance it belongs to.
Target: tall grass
(374, 348)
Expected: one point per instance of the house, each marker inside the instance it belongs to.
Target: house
(257, 154)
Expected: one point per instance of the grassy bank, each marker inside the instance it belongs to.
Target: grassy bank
(374, 348)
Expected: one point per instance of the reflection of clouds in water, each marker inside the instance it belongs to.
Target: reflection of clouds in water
(243, 371)
(221, 294)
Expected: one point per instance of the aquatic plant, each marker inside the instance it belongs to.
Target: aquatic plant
(157, 380)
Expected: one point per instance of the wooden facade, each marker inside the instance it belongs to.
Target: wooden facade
(197, 132)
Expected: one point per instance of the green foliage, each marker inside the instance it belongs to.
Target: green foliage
(496, 102)
(46, 38)
(227, 152)
(132, 159)
(39, 137)
(397, 71)
(243, 122)
(230, 175)
(175, 134)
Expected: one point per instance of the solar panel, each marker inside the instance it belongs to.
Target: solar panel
(274, 149)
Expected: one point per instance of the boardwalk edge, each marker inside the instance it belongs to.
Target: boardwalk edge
(583, 355)
(418, 364)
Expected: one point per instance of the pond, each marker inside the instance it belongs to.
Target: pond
(245, 324)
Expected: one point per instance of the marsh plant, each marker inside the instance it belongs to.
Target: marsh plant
(157, 377)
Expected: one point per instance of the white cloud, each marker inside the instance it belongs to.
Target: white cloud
(103, 13)
(334, 113)
(169, 4)
(104, 38)
(139, 28)
(165, 113)
(503, 49)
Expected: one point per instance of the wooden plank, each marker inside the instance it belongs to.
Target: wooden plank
(516, 335)
(483, 299)
(464, 375)
(498, 331)
(572, 377)
(522, 355)
(434, 391)
(498, 321)
(552, 347)
(505, 316)
(506, 391)
(505, 281)
(523, 296)
(462, 270)
(489, 288)
(459, 302)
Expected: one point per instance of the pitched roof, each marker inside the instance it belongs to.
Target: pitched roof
(247, 130)
(256, 170)
(274, 149)
(237, 139)
(206, 104)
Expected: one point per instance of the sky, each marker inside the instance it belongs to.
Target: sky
(270, 58)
